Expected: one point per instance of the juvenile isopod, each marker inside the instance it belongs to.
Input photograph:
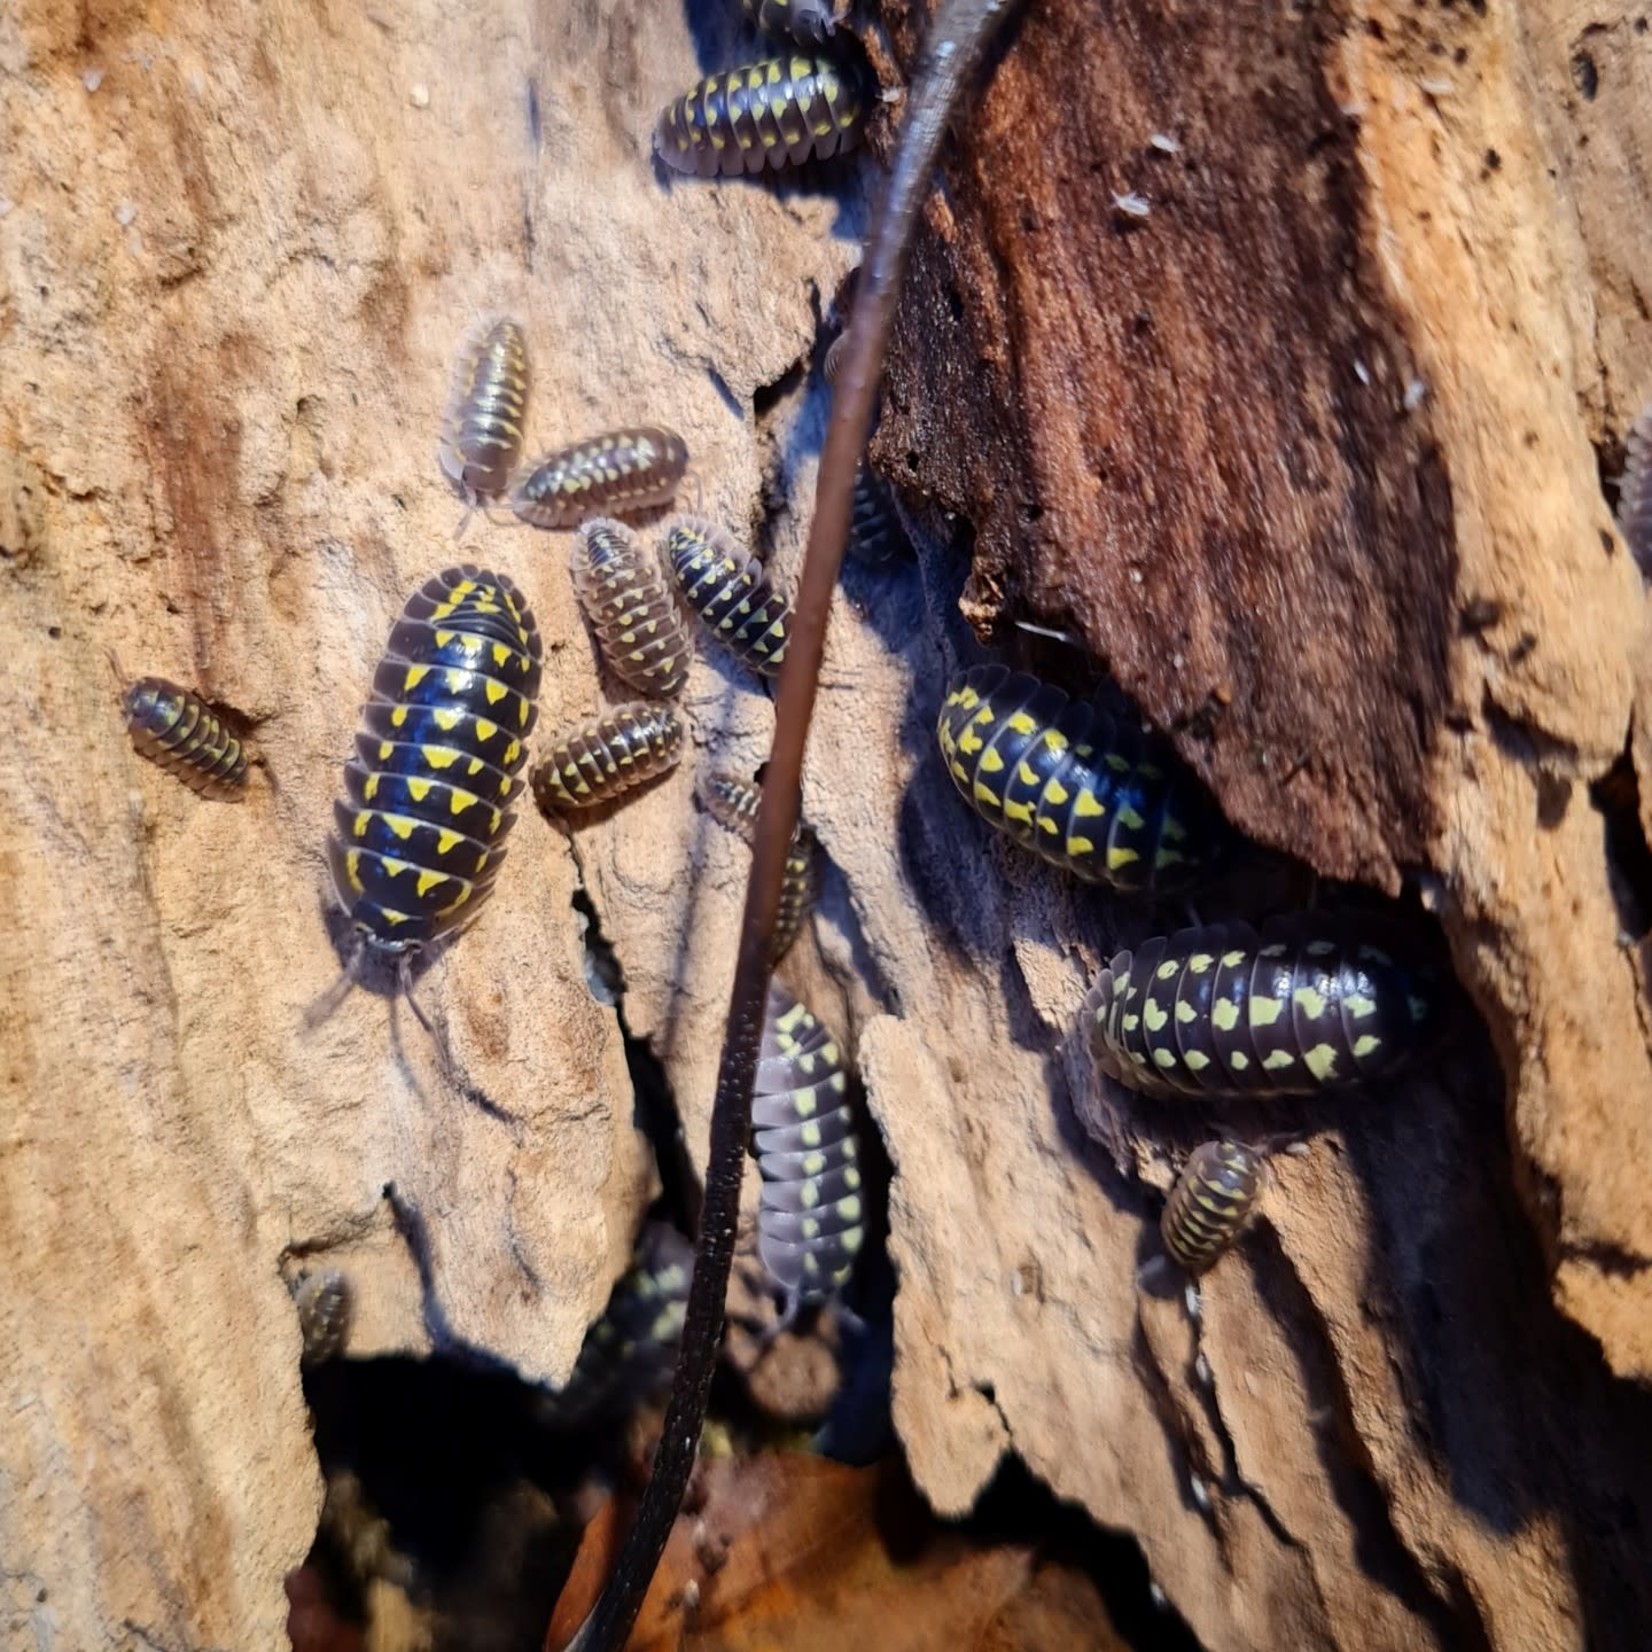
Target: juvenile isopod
(730, 592)
(325, 1303)
(1210, 1204)
(1635, 492)
(780, 111)
(811, 1223)
(486, 413)
(625, 597)
(608, 757)
(1309, 1005)
(618, 474)
(176, 729)
(1110, 804)
(734, 803)
(807, 21)
(628, 1353)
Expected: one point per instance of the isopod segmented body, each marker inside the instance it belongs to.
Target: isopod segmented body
(629, 1352)
(429, 793)
(1210, 1203)
(1635, 492)
(620, 473)
(780, 111)
(607, 757)
(811, 1222)
(325, 1303)
(875, 535)
(175, 729)
(1222, 1012)
(1110, 804)
(734, 803)
(807, 21)
(727, 588)
(631, 608)
(486, 413)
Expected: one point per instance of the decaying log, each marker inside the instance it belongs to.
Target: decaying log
(240, 247)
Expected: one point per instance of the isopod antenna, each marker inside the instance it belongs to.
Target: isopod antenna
(958, 42)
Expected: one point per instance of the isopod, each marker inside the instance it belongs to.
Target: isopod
(608, 757)
(486, 413)
(619, 474)
(1309, 1005)
(631, 608)
(176, 729)
(777, 112)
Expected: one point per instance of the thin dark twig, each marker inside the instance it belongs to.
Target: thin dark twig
(958, 41)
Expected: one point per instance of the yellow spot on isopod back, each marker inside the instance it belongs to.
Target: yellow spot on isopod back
(1265, 1011)
(1225, 1013)
(1087, 806)
(1278, 1059)
(446, 839)
(416, 674)
(991, 762)
(1359, 1006)
(1310, 1001)
(1199, 962)
(1153, 1015)
(1164, 1057)
(1167, 969)
(1321, 1061)
(1365, 1044)
(1118, 857)
(1023, 723)
(1238, 1061)
(1197, 1060)
(1185, 1012)
(429, 880)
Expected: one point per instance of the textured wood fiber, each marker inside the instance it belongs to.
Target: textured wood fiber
(1393, 637)
(234, 275)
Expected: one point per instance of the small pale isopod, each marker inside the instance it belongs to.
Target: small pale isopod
(1210, 1204)
(174, 728)
(624, 593)
(486, 414)
(607, 757)
(1635, 492)
(619, 474)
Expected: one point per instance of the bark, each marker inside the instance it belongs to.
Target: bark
(240, 248)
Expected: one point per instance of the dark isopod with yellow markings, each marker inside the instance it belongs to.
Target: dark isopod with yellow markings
(1218, 1012)
(620, 473)
(607, 757)
(326, 1304)
(430, 793)
(811, 1221)
(727, 588)
(1211, 1202)
(734, 803)
(624, 593)
(486, 414)
(780, 111)
(875, 533)
(807, 21)
(176, 729)
(628, 1354)
(1111, 804)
